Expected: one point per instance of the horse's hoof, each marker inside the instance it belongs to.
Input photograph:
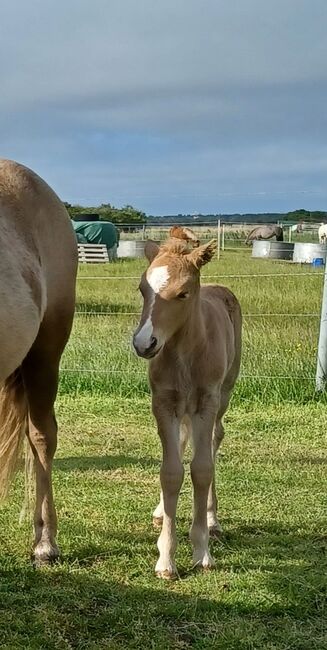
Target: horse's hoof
(157, 522)
(166, 575)
(45, 554)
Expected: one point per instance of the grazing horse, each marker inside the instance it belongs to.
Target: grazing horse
(192, 337)
(38, 265)
(322, 233)
(265, 232)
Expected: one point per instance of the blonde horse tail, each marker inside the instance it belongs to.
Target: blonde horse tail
(13, 427)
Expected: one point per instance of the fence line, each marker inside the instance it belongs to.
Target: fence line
(252, 315)
(143, 374)
(312, 274)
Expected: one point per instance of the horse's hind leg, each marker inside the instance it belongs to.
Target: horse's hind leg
(41, 382)
(40, 374)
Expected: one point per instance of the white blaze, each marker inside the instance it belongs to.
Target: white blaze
(157, 279)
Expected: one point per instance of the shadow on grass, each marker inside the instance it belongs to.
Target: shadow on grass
(67, 607)
(275, 597)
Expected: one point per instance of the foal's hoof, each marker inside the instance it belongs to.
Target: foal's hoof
(157, 522)
(166, 575)
(45, 554)
(215, 532)
(205, 563)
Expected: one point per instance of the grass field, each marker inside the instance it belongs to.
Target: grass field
(269, 587)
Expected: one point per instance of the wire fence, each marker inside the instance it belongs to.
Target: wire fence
(207, 277)
(231, 236)
(130, 372)
(86, 361)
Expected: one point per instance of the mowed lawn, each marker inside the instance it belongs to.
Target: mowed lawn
(269, 587)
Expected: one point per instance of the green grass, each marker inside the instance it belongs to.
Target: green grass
(269, 588)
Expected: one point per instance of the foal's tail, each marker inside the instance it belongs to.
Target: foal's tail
(13, 426)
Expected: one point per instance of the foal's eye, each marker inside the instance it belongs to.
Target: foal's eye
(183, 295)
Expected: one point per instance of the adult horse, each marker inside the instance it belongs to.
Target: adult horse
(265, 232)
(192, 338)
(38, 265)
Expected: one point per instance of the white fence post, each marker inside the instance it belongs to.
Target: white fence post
(218, 238)
(290, 234)
(321, 374)
(223, 237)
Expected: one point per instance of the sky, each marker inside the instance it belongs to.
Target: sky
(172, 106)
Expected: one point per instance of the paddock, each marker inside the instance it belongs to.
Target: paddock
(268, 588)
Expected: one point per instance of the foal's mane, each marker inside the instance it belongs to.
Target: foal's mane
(174, 247)
(181, 241)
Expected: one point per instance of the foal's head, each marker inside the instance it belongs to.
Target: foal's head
(169, 288)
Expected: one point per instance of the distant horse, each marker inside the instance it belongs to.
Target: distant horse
(322, 233)
(265, 232)
(191, 336)
(38, 265)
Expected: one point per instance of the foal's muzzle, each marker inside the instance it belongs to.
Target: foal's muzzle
(150, 351)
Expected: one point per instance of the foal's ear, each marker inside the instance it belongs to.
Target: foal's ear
(151, 250)
(203, 254)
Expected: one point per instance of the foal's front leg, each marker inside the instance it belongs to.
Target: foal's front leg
(184, 434)
(202, 469)
(171, 477)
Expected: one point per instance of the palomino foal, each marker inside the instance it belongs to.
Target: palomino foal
(192, 337)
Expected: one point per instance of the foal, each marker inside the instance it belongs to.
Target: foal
(192, 337)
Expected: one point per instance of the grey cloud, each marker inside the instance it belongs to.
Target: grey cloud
(225, 98)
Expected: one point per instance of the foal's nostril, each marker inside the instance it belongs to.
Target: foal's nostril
(153, 343)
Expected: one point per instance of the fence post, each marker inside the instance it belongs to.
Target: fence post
(223, 237)
(290, 234)
(218, 238)
(321, 374)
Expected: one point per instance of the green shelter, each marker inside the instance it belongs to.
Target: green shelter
(98, 232)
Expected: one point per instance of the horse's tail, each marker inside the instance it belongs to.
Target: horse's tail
(280, 236)
(13, 427)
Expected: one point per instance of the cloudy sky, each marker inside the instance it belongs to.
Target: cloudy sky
(170, 105)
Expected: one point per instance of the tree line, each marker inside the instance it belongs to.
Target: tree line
(128, 215)
(107, 212)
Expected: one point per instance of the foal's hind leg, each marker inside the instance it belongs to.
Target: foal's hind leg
(41, 381)
(218, 434)
(213, 523)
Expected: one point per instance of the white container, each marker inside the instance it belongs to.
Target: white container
(306, 253)
(260, 248)
(131, 247)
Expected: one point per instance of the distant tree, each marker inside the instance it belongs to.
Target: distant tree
(126, 215)
(305, 215)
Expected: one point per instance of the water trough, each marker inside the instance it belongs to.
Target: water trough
(132, 247)
(276, 250)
